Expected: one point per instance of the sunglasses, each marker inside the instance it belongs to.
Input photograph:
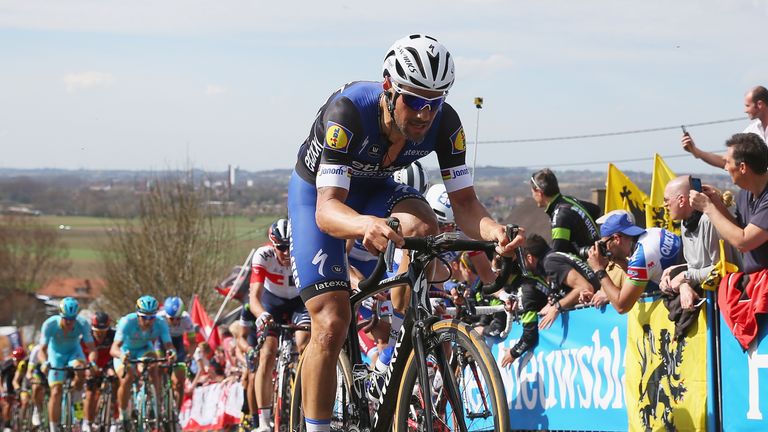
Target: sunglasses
(418, 103)
(535, 185)
(147, 317)
(282, 247)
(69, 320)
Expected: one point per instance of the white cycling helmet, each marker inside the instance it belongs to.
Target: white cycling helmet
(414, 176)
(437, 198)
(420, 61)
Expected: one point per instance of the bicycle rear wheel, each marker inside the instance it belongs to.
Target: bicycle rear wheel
(340, 419)
(481, 404)
(104, 412)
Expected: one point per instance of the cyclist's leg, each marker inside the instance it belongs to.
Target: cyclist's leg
(301, 317)
(319, 268)
(263, 379)
(179, 375)
(55, 380)
(92, 395)
(125, 373)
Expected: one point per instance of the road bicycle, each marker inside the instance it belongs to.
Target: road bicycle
(104, 419)
(145, 407)
(68, 421)
(169, 414)
(283, 375)
(442, 376)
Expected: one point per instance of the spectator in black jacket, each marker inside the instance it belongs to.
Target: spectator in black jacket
(573, 220)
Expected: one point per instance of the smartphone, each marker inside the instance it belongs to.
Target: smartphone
(695, 183)
(685, 132)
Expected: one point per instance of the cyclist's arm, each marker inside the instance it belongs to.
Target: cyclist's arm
(254, 298)
(42, 353)
(713, 159)
(483, 267)
(115, 350)
(18, 376)
(93, 353)
(337, 219)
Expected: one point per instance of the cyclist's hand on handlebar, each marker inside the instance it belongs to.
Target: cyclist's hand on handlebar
(377, 234)
(171, 355)
(263, 319)
(507, 247)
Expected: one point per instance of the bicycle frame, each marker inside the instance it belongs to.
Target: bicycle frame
(412, 337)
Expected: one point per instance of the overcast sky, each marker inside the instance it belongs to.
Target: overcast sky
(108, 84)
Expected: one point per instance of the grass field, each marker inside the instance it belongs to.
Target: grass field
(85, 236)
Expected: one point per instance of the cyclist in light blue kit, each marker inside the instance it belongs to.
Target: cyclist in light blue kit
(135, 338)
(60, 347)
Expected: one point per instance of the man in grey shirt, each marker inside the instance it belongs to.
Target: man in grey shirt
(701, 244)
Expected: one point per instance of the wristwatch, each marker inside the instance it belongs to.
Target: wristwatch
(600, 274)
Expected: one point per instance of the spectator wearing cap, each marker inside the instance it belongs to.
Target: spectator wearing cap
(573, 221)
(642, 253)
(747, 163)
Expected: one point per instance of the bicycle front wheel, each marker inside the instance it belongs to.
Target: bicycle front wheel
(478, 401)
(340, 420)
(282, 397)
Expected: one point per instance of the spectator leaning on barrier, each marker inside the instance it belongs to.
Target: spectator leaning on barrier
(756, 107)
(533, 289)
(701, 244)
(747, 163)
(573, 220)
(643, 254)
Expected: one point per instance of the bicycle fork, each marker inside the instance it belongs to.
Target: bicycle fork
(449, 379)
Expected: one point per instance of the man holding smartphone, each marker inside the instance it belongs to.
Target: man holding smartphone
(756, 107)
(701, 243)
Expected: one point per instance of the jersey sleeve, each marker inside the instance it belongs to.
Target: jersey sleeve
(164, 332)
(120, 329)
(47, 331)
(562, 229)
(451, 148)
(85, 328)
(637, 267)
(340, 130)
(259, 264)
(187, 325)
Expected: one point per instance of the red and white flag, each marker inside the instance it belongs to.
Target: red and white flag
(207, 332)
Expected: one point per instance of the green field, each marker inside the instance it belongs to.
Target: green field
(85, 236)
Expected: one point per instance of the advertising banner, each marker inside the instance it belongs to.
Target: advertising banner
(574, 379)
(744, 380)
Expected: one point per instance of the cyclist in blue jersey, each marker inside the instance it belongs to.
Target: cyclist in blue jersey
(59, 347)
(342, 188)
(179, 324)
(135, 338)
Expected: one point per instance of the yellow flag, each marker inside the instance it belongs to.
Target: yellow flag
(719, 271)
(655, 214)
(622, 194)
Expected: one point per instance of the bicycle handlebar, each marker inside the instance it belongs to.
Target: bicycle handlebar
(435, 245)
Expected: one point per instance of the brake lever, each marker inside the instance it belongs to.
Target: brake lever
(389, 253)
(512, 232)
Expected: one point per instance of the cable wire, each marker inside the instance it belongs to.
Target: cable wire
(608, 134)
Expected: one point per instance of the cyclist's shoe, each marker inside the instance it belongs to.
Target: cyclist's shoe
(7, 429)
(374, 385)
(85, 428)
(36, 418)
(263, 429)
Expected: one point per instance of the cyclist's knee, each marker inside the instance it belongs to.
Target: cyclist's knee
(416, 218)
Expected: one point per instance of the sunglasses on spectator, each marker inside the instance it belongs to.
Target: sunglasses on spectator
(418, 103)
(535, 185)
